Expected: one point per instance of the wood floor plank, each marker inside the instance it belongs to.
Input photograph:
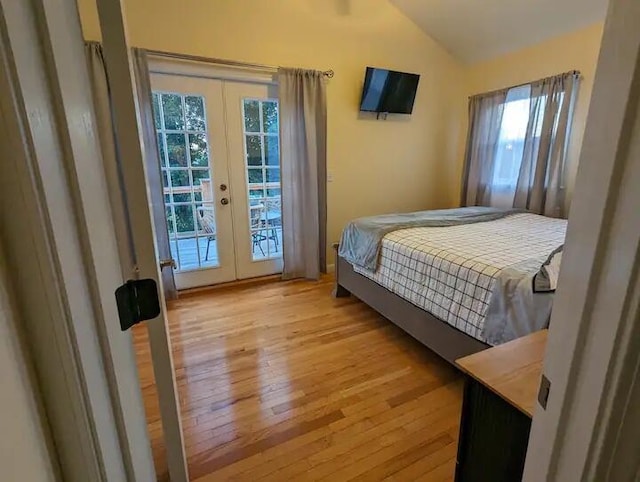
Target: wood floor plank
(380, 442)
(280, 381)
(418, 451)
(428, 465)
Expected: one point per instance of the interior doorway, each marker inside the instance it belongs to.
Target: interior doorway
(220, 160)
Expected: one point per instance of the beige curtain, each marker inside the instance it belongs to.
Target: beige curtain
(303, 137)
(540, 186)
(485, 120)
(112, 162)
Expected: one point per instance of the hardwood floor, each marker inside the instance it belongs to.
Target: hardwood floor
(282, 382)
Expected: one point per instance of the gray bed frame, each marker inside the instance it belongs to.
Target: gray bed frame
(437, 335)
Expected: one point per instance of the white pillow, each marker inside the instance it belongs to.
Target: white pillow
(546, 280)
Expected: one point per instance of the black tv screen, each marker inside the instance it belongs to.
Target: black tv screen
(389, 91)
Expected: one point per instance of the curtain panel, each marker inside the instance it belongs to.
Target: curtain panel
(485, 121)
(517, 146)
(540, 187)
(303, 137)
(112, 161)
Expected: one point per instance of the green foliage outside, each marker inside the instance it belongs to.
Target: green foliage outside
(186, 115)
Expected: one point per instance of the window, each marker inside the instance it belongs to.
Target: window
(181, 128)
(517, 148)
(262, 153)
(513, 130)
(516, 117)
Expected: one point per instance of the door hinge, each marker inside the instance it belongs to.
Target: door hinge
(137, 301)
(543, 392)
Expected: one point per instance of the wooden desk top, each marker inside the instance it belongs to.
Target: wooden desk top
(511, 370)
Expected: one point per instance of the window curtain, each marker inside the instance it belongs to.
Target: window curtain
(112, 162)
(485, 121)
(303, 134)
(540, 185)
(508, 157)
(517, 146)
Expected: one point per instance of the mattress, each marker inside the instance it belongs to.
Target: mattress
(451, 271)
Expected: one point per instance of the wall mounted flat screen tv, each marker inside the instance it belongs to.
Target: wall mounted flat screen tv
(388, 91)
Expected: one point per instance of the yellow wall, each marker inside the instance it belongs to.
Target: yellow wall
(577, 50)
(378, 166)
(403, 164)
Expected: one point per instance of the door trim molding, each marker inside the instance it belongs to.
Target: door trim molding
(130, 146)
(190, 68)
(593, 349)
(61, 249)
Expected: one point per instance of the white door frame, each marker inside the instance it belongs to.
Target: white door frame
(593, 352)
(31, 456)
(130, 146)
(57, 230)
(232, 78)
(84, 367)
(191, 68)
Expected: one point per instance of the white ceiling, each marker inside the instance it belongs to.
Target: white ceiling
(474, 30)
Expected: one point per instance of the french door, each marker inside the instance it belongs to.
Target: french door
(220, 161)
(254, 153)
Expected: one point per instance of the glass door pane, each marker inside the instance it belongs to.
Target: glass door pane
(262, 154)
(185, 160)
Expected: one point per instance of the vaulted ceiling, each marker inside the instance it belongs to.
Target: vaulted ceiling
(475, 30)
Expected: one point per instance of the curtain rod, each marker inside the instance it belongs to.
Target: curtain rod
(233, 63)
(571, 72)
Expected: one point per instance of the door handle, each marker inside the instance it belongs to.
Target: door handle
(224, 201)
(166, 263)
(223, 187)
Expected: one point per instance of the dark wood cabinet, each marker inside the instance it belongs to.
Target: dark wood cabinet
(493, 437)
(499, 398)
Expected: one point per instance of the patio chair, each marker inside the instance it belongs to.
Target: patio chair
(256, 227)
(275, 223)
(206, 189)
(207, 223)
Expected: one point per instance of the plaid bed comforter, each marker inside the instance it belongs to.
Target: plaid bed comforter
(451, 271)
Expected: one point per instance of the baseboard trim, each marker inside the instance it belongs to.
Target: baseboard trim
(232, 284)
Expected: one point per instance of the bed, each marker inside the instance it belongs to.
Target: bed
(457, 288)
